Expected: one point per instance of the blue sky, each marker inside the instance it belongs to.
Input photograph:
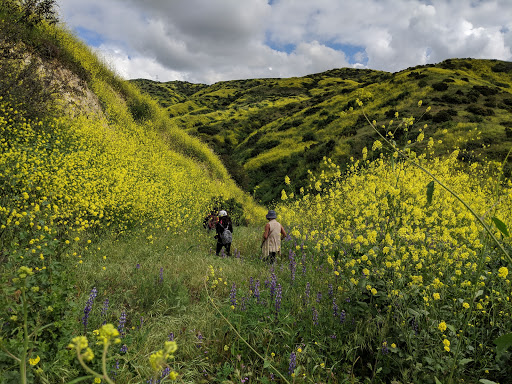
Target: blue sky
(208, 41)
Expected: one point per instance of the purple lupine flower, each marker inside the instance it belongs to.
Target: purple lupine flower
(137, 266)
(199, 340)
(334, 307)
(319, 297)
(384, 348)
(243, 305)
(273, 284)
(232, 295)
(342, 316)
(414, 325)
(279, 296)
(257, 291)
(122, 322)
(171, 336)
(104, 311)
(141, 322)
(161, 278)
(330, 291)
(88, 307)
(307, 292)
(251, 284)
(124, 349)
(315, 316)
(293, 265)
(293, 363)
(165, 373)
(115, 368)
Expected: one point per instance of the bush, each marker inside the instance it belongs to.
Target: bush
(440, 86)
(504, 66)
(480, 111)
(210, 130)
(485, 90)
(442, 116)
(309, 136)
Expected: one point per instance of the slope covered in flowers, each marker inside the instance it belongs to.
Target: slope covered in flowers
(75, 168)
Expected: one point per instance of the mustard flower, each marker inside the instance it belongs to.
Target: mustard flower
(173, 375)
(503, 272)
(442, 326)
(108, 334)
(35, 360)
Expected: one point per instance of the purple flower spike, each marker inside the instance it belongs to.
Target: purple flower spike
(232, 295)
(257, 291)
(293, 363)
(279, 296)
(122, 322)
(88, 307)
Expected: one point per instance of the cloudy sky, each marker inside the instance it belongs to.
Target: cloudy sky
(205, 41)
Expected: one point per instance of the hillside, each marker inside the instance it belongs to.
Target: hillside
(64, 110)
(265, 129)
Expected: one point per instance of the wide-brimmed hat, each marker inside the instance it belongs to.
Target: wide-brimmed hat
(223, 213)
(271, 214)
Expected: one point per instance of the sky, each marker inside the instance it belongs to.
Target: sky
(206, 41)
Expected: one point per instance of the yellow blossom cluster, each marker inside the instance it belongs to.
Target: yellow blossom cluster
(388, 234)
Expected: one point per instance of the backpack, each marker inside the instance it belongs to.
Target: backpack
(226, 237)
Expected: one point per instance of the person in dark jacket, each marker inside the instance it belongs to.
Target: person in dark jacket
(224, 239)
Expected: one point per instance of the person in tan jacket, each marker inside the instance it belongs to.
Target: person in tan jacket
(274, 232)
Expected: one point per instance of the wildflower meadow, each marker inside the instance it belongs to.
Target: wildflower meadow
(396, 267)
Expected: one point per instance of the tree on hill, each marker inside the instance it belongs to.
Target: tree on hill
(35, 11)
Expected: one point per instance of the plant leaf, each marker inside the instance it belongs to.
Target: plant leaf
(430, 192)
(465, 361)
(437, 380)
(503, 342)
(501, 226)
(485, 381)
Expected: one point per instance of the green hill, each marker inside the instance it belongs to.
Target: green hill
(265, 129)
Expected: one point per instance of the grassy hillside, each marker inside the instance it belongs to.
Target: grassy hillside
(279, 127)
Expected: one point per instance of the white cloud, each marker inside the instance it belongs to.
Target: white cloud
(208, 41)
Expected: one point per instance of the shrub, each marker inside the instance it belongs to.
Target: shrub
(441, 86)
(503, 66)
(480, 111)
(485, 90)
(442, 116)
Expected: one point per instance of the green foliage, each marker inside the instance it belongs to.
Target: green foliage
(319, 108)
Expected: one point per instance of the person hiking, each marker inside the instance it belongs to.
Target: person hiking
(210, 221)
(274, 232)
(224, 236)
